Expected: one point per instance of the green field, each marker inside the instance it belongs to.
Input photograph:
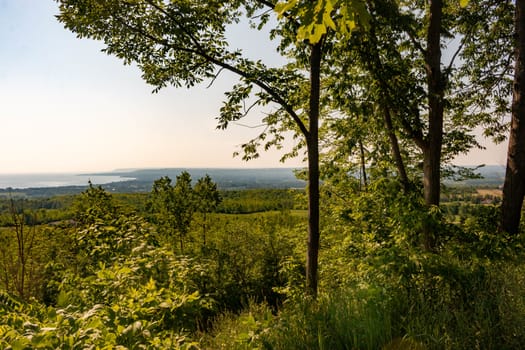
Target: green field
(104, 270)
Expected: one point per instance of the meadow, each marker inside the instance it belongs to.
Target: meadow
(103, 271)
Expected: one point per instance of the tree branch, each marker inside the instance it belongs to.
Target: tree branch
(377, 69)
(249, 77)
(214, 78)
(267, 3)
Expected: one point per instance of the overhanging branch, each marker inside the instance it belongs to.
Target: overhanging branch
(199, 50)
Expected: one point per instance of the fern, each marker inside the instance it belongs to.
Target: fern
(8, 303)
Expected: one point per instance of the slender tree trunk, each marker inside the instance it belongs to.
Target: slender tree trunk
(514, 185)
(377, 69)
(312, 141)
(436, 87)
(363, 164)
(204, 230)
(432, 153)
(396, 152)
(21, 259)
(5, 259)
(18, 221)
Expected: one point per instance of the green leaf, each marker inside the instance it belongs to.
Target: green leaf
(327, 18)
(319, 31)
(19, 344)
(282, 7)
(63, 299)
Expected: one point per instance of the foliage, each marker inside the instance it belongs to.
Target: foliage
(122, 291)
(183, 43)
(39, 327)
(253, 201)
(26, 247)
(367, 315)
(172, 207)
(207, 195)
(380, 289)
(375, 246)
(116, 285)
(92, 205)
(242, 331)
(318, 17)
(397, 270)
(486, 78)
(120, 288)
(42, 210)
(104, 242)
(246, 254)
(152, 288)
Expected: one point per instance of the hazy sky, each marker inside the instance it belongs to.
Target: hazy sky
(67, 107)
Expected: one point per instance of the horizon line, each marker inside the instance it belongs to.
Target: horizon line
(116, 170)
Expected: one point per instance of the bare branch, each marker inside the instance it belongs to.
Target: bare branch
(261, 14)
(214, 78)
(249, 126)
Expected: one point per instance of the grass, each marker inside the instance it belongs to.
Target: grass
(492, 316)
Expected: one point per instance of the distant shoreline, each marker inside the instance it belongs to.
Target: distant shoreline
(27, 181)
(141, 180)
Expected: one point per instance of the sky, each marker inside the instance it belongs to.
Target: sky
(67, 107)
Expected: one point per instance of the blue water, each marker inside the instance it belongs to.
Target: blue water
(55, 180)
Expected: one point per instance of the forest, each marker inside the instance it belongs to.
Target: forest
(382, 249)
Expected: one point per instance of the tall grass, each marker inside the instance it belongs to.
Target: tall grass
(337, 321)
(485, 311)
(361, 320)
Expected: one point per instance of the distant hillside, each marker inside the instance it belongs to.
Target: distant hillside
(492, 175)
(226, 178)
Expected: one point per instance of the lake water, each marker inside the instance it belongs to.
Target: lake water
(55, 180)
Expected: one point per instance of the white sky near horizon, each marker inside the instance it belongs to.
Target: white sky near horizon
(67, 107)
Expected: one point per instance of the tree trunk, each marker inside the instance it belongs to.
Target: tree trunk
(394, 145)
(363, 164)
(514, 185)
(377, 69)
(312, 141)
(204, 230)
(434, 142)
(432, 153)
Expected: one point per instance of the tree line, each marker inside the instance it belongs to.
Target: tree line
(115, 275)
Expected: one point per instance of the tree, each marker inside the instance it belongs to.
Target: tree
(94, 204)
(402, 55)
(207, 197)
(18, 251)
(173, 206)
(183, 43)
(364, 131)
(184, 206)
(160, 205)
(514, 185)
(491, 76)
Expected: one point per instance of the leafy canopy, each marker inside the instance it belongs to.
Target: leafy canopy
(316, 17)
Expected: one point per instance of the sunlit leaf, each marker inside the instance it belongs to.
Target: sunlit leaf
(282, 7)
